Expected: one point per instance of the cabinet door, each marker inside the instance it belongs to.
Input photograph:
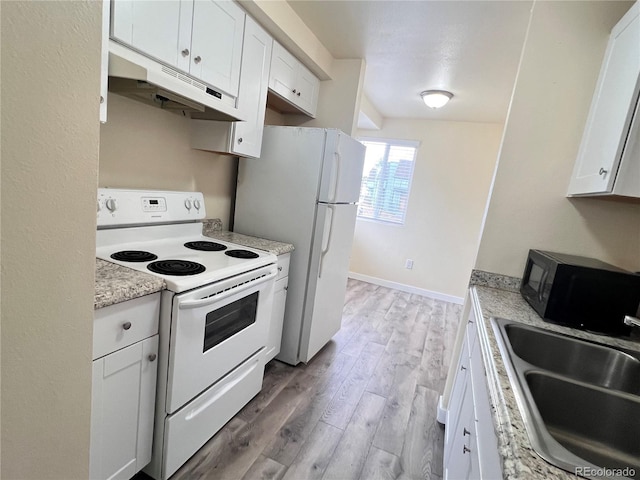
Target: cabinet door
(457, 392)
(216, 44)
(252, 96)
(123, 401)
(459, 463)
(284, 70)
(307, 86)
(611, 109)
(277, 319)
(160, 29)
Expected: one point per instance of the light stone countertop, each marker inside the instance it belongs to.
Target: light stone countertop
(519, 461)
(116, 284)
(271, 246)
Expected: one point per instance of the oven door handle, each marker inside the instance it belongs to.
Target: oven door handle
(203, 302)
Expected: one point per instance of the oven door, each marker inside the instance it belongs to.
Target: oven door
(214, 329)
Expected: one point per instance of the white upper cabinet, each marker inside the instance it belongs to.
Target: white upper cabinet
(292, 82)
(608, 155)
(242, 138)
(200, 37)
(216, 43)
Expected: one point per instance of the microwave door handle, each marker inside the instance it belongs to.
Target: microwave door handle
(204, 302)
(543, 281)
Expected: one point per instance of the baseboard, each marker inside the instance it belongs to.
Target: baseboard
(407, 288)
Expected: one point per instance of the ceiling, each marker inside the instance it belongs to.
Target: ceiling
(470, 48)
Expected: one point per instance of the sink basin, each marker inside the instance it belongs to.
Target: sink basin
(598, 426)
(583, 361)
(579, 400)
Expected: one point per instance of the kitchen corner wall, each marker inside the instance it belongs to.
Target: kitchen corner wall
(50, 136)
(450, 186)
(528, 208)
(142, 146)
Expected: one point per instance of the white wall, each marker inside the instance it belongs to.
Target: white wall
(50, 135)
(450, 185)
(142, 146)
(528, 209)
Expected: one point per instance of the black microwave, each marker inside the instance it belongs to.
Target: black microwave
(580, 292)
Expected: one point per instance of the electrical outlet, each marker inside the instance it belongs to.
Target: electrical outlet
(408, 264)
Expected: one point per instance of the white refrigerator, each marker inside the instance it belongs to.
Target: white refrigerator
(304, 190)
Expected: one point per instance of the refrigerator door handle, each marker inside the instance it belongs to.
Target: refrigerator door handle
(338, 156)
(326, 249)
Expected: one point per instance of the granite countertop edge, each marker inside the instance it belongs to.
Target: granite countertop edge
(271, 246)
(117, 284)
(519, 460)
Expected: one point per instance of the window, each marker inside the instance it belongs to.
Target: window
(386, 179)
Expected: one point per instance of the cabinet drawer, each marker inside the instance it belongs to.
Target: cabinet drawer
(283, 266)
(120, 325)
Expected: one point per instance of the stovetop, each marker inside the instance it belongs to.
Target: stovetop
(178, 248)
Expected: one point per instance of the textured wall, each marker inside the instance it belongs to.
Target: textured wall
(142, 146)
(50, 136)
(528, 207)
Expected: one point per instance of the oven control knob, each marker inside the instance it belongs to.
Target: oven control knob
(196, 203)
(99, 207)
(111, 204)
(187, 204)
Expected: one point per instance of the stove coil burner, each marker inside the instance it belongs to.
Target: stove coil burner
(205, 246)
(176, 267)
(134, 256)
(241, 254)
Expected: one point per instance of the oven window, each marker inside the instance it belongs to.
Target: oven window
(227, 321)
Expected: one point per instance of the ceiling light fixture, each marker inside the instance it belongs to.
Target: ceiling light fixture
(436, 98)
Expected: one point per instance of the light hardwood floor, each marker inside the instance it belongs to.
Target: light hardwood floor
(363, 408)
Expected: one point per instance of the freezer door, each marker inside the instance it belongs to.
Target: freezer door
(335, 225)
(341, 169)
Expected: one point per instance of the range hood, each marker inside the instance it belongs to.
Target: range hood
(136, 76)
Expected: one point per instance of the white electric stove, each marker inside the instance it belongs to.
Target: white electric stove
(214, 315)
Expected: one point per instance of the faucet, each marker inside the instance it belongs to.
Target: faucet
(632, 321)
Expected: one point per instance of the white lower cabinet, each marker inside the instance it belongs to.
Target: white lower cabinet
(470, 450)
(123, 390)
(277, 314)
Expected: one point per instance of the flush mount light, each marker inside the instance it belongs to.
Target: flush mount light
(436, 98)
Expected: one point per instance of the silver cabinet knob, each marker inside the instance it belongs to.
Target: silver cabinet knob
(126, 325)
(465, 449)
(279, 269)
(298, 93)
(462, 367)
(185, 52)
(152, 357)
(465, 432)
(240, 140)
(198, 59)
(603, 172)
(286, 288)
(294, 90)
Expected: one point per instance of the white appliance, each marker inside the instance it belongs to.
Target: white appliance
(304, 190)
(214, 315)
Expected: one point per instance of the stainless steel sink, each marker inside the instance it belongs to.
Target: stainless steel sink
(578, 359)
(580, 400)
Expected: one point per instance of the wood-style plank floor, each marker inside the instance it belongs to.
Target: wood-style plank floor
(363, 408)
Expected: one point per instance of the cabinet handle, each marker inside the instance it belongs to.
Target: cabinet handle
(279, 269)
(465, 432)
(126, 325)
(603, 172)
(152, 357)
(294, 90)
(298, 93)
(462, 367)
(185, 52)
(286, 288)
(465, 449)
(197, 59)
(240, 140)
